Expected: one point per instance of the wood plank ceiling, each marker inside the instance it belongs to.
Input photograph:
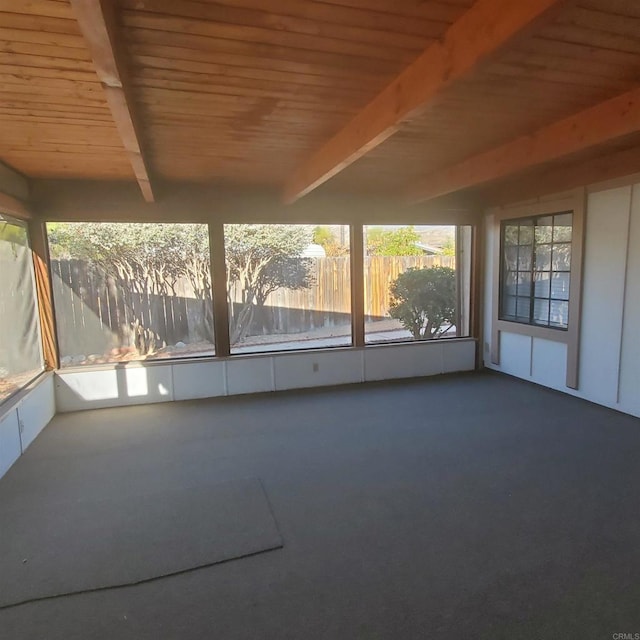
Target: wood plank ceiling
(244, 91)
(54, 118)
(248, 89)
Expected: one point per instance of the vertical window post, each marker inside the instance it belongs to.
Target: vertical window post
(219, 286)
(357, 284)
(459, 252)
(477, 278)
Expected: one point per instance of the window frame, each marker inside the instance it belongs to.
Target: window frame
(532, 294)
(572, 202)
(462, 301)
(56, 327)
(274, 346)
(356, 224)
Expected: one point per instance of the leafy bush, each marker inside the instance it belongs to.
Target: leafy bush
(424, 300)
(393, 242)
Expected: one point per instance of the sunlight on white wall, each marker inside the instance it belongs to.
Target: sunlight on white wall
(137, 382)
(98, 385)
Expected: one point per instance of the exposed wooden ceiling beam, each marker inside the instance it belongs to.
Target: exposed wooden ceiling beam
(96, 21)
(596, 125)
(485, 29)
(594, 173)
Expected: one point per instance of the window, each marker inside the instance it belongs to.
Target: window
(126, 291)
(288, 286)
(416, 282)
(536, 270)
(20, 345)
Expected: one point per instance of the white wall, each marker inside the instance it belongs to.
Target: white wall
(25, 419)
(609, 370)
(164, 382)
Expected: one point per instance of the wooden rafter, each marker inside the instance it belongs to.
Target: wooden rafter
(614, 118)
(96, 22)
(488, 27)
(593, 173)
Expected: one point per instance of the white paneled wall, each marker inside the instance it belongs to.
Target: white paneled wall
(317, 369)
(160, 382)
(20, 424)
(36, 410)
(603, 298)
(629, 387)
(196, 380)
(609, 370)
(250, 376)
(10, 449)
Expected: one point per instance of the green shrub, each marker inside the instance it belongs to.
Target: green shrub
(424, 300)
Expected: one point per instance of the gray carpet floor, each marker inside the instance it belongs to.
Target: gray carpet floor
(471, 506)
(78, 546)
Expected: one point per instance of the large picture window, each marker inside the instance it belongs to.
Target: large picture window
(20, 344)
(416, 282)
(126, 291)
(535, 275)
(288, 286)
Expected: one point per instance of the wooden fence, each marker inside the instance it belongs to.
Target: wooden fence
(331, 293)
(93, 315)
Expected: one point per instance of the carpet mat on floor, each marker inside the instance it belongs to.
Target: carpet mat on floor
(89, 545)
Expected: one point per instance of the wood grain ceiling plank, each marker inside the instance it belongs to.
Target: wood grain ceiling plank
(593, 37)
(171, 24)
(255, 72)
(44, 8)
(430, 9)
(53, 88)
(321, 12)
(46, 62)
(311, 97)
(585, 54)
(21, 119)
(70, 41)
(18, 99)
(618, 7)
(250, 53)
(334, 29)
(602, 21)
(61, 111)
(28, 73)
(202, 83)
(563, 77)
(30, 22)
(266, 105)
(596, 71)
